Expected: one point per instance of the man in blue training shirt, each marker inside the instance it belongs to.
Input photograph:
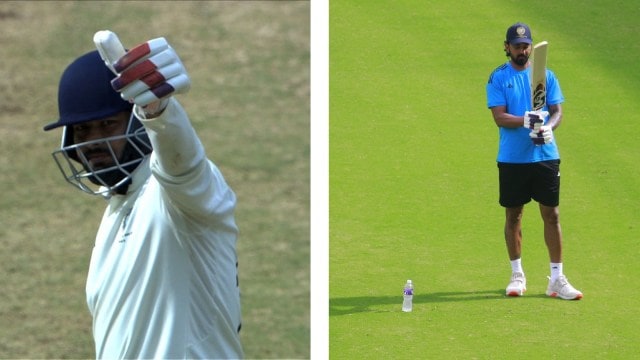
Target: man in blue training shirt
(528, 158)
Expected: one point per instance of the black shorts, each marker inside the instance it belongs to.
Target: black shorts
(519, 183)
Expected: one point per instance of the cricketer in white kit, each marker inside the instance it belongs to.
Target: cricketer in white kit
(163, 281)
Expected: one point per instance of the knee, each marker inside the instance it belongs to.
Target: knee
(551, 215)
(513, 216)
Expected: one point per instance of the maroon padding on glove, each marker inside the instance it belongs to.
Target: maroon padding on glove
(153, 79)
(144, 68)
(163, 90)
(533, 120)
(539, 140)
(132, 56)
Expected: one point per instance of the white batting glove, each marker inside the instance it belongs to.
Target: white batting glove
(533, 120)
(149, 72)
(542, 136)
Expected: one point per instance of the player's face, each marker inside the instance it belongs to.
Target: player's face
(98, 154)
(519, 53)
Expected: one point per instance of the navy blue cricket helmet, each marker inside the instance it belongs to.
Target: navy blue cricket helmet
(85, 94)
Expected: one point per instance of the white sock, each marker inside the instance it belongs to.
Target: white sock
(556, 270)
(516, 266)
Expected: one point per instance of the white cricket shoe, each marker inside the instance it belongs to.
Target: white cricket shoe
(562, 289)
(518, 284)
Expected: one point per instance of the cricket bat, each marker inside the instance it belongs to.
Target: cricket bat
(539, 76)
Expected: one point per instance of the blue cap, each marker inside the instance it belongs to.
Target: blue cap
(85, 92)
(519, 33)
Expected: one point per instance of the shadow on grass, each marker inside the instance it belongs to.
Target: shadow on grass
(351, 305)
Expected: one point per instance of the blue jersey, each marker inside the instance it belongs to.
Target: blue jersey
(509, 87)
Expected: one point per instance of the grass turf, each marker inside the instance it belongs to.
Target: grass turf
(413, 182)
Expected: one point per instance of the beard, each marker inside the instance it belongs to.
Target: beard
(520, 60)
(106, 171)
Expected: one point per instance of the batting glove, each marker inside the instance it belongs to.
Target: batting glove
(542, 136)
(534, 119)
(150, 72)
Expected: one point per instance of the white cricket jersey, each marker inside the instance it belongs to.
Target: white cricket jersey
(162, 283)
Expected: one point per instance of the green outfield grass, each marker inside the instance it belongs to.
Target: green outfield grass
(250, 104)
(413, 182)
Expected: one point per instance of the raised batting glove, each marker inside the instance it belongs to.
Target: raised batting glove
(542, 136)
(150, 72)
(533, 120)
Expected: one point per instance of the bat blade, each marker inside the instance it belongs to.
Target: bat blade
(539, 76)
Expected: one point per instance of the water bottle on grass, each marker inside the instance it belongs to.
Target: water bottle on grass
(407, 304)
